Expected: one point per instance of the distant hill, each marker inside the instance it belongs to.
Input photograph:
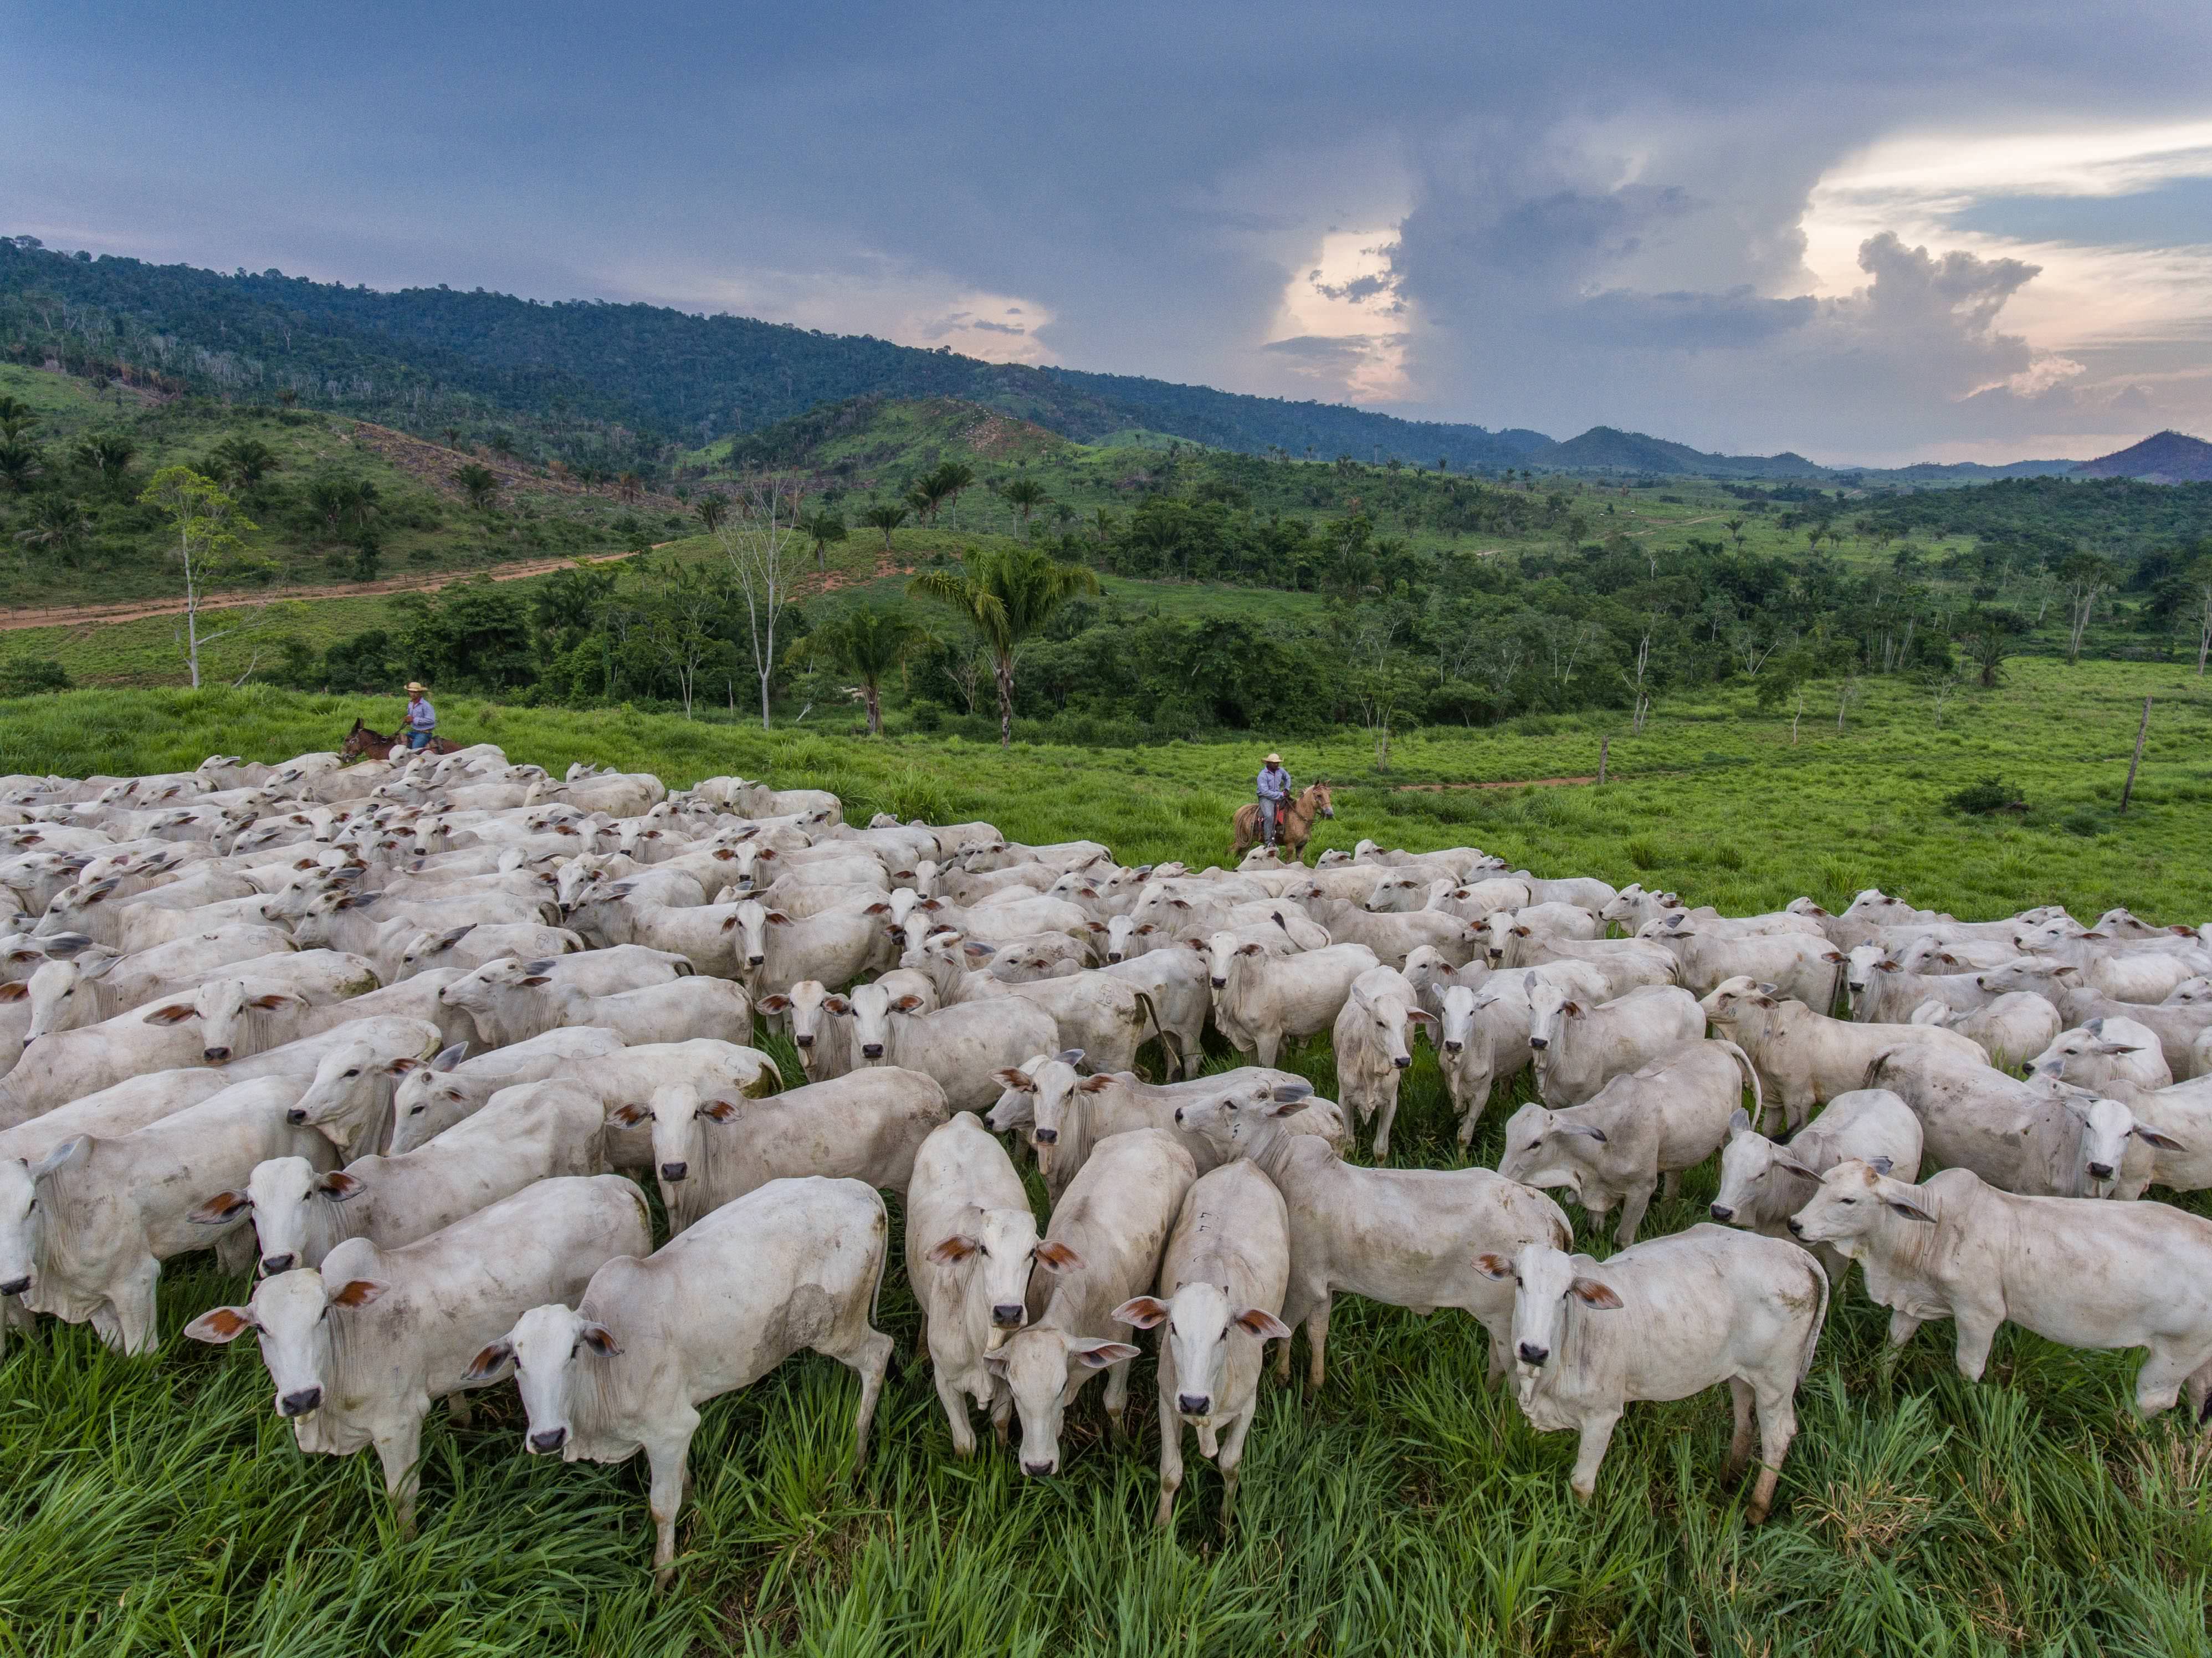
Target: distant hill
(425, 356)
(2162, 458)
(1608, 449)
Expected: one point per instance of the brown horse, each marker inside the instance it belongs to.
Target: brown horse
(363, 744)
(1294, 831)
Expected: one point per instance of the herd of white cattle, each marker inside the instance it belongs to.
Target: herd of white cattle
(398, 1035)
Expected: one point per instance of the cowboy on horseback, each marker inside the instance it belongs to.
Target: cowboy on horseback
(422, 727)
(1276, 793)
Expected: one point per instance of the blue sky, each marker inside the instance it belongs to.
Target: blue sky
(1867, 231)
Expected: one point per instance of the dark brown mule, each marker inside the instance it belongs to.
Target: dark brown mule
(363, 743)
(1292, 833)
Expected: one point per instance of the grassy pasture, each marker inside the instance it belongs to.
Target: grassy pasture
(161, 1507)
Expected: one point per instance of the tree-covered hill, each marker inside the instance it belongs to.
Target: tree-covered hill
(424, 357)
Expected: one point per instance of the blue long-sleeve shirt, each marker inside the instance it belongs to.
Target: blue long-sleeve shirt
(1274, 783)
(420, 716)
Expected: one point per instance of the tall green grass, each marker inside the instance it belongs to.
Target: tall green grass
(161, 1507)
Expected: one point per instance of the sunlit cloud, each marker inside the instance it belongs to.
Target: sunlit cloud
(1343, 319)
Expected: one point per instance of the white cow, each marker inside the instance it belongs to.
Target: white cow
(1373, 1041)
(1106, 1236)
(1579, 1048)
(1668, 1318)
(1406, 1236)
(360, 1349)
(533, 1132)
(2106, 1051)
(2009, 1028)
(775, 952)
(708, 1152)
(84, 1230)
(1223, 1279)
(508, 1003)
(1650, 1124)
(2101, 1276)
(793, 1267)
(1763, 1183)
(971, 1242)
(1259, 1000)
(1805, 1058)
(433, 1095)
(962, 1048)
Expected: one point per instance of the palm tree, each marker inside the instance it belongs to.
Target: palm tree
(628, 486)
(20, 462)
(926, 497)
(1735, 528)
(870, 645)
(886, 518)
(17, 417)
(242, 462)
(479, 482)
(1007, 595)
(286, 397)
(711, 511)
(823, 528)
(951, 478)
(1024, 495)
(106, 455)
(452, 435)
(56, 524)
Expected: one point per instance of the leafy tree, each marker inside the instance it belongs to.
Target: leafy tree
(242, 461)
(927, 495)
(710, 510)
(821, 528)
(452, 435)
(209, 529)
(871, 644)
(17, 417)
(478, 483)
(950, 478)
(1007, 595)
(887, 518)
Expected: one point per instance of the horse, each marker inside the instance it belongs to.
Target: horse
(1293, 832)
(363, 744)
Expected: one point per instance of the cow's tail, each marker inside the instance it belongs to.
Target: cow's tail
(1876, 1066)
(1819, 1316)
(1168, 1050)
(1750, 1080)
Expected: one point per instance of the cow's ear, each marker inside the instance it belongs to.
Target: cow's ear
(1095, 927)
(449, 1057)
(1831, 956)
(276, 999)
(906, 1004)
(1572, 1009)
(1259, 1321)
(1057, 1257)
(490, 1362)
(719, 1110)
(1097, 1085)
(1790, 1165)
(338, 1186)
(1145, 1312)
(1497, 1268)
(600, 1340)
(219, 1325)
(1909, 1209)
(1095, 1354)
(945, 1251)
(2164, 1142)
(360, 1292)
(779, 1003)
(1591, 1293)
(627, 1116)
(173, 1013)
(1020, 1081)
(1069, 1056)
(777, 918)
(837, 1004)
(221, 1209)
(1739, 1122)
(533, 981)
(13, 991)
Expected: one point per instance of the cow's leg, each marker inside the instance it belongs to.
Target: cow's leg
(954, 1398)
(1266, 1044)
(2199, 1388)
(2159, 1383)
(1002, 1414)
(1670, 1185)
(1597, 1434)
(1633, 1203)
(1777, 1427)
(458, 1411)
(1742, 1396)
(1386, 1109)
(869, 1358)
(399, 1447)
(1977, 1329)
(137, 1328)
(1170, 1443)
(921, 1340)
(1117, 1392)
(1298, 1302)
(669, 1459)
(1316, 1344)
(1230, 1461)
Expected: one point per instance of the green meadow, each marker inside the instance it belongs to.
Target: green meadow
(161, 1507)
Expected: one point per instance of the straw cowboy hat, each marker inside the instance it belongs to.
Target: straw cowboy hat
(416, 685)
(1275, 759)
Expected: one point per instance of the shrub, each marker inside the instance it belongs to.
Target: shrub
(2082, 822)
(27, 676)
(1990, 794)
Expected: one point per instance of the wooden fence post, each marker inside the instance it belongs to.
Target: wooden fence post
(1606, 743)
(2142, 731)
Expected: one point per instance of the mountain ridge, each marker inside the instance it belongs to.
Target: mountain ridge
(2168, 456)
